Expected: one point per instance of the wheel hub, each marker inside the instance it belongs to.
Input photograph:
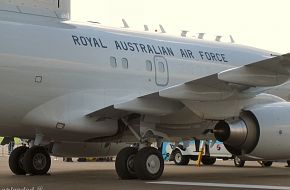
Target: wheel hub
(178, 157)
(153, 164)
(130, 164)
(39, 161)
(20, 161)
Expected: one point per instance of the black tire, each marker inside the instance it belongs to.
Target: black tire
(124, 164)
(82, 159)
(16, 160)
(67, 159)
(266, 163)
(288, 163)
(179, 159)
(238, 162)
(149, 164)
(208, 161)
(37, 161)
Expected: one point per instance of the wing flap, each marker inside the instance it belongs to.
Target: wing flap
(108, 113)
(153, 106)
(208, 88)
(144, 105)
(270, 72)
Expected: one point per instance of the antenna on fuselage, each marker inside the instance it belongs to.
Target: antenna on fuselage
(125, 24)
(183, 33)
(218, 38)
(162, 29)
(94, 22)
(200, 36)
(146, 28)
(232, 39)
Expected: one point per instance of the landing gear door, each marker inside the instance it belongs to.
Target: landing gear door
(161, 71)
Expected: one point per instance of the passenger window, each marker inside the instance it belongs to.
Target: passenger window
(125, 63)
(161, 67)
(148, 65)
(113, 62)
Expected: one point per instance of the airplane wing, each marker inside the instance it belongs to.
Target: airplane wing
(57, 9)
(237, 83)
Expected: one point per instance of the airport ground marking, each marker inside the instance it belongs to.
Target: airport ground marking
(225, 185)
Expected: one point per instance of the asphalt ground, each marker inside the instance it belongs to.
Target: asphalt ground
(101, 175)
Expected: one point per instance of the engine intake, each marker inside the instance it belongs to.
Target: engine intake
(261, 132)
(233, 132)
(240, 135)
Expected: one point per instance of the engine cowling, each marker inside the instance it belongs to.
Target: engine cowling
(261, 132)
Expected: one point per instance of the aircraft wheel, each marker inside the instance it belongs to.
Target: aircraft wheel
(37, 161)
(16, 160)
(238, 162)
(149, 164)
(179, 159)
(266, 163)
(82, 159)
(208, 161)
(124, 164)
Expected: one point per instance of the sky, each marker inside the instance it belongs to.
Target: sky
(263, 24)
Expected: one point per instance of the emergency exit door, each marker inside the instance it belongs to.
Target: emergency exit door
(161, 71)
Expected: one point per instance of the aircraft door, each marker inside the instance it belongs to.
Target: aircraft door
(161, 71)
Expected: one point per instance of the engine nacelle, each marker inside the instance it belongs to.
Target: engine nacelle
(261, 132)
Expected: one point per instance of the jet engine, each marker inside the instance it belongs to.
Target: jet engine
(260, 132)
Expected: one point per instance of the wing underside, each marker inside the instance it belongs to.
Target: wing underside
(230, 86)
(58, 9)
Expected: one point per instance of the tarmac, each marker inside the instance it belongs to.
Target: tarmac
(101, 175)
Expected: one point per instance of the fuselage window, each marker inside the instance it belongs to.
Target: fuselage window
(113, 62)
(125, 63)
(161, 67)
(148, 65)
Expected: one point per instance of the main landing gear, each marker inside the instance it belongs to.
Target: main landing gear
(145, 164)
(34, 161)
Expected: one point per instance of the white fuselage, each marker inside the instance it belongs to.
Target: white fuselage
(56, 73)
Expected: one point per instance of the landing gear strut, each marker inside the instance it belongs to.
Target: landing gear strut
(34, 161)
(238, 162)
(146, 164)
